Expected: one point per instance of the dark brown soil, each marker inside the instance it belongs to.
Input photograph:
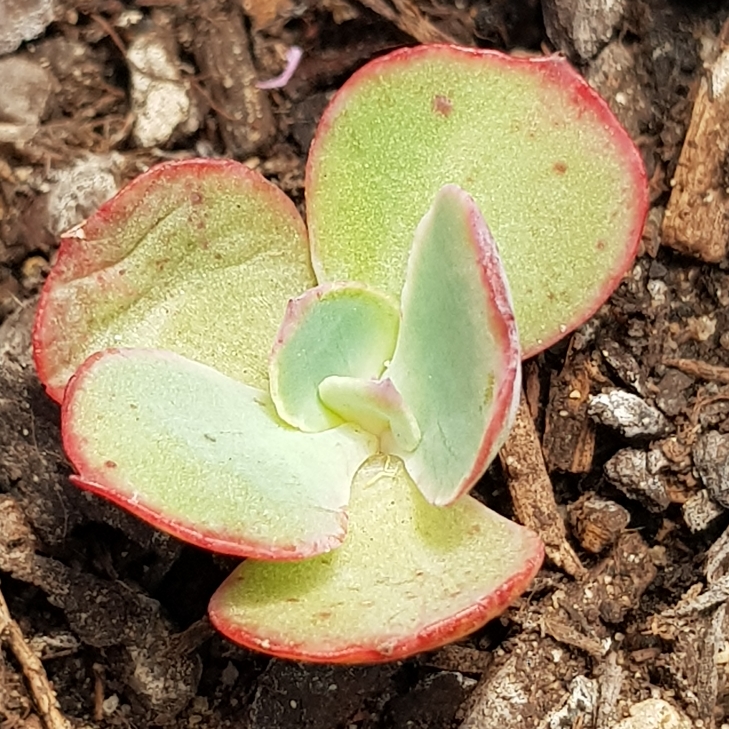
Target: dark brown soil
(116, 611)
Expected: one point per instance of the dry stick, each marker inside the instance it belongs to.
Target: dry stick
(702, 370)
(532, 494)
(409, 19)
(35, 674)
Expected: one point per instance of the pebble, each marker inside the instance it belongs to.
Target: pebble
(711, 459)
(161, 98)
(700, 511)
(78, 190)
(637, 474)
(654, 714)
(629, 414)
(22, 20)
(26, 92)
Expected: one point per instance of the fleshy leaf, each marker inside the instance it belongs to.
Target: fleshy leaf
(408, 578)
(340, 329)
(376, 405)
(204, 457)
(198, 257)
(559, 181)
(457, 362)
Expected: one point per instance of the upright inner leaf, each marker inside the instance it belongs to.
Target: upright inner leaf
(346, 330)
(457, 360)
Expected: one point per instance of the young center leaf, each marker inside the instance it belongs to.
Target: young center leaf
(198, 257)
(408, 578)
(457, 362)
(205, 458)
(560, 182)
(336, 329)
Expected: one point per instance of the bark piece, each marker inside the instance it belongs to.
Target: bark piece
(222, 50)
(531, 491)
(697, 215)
(569, 434)
(597, 522)
(624, 365)
(610, 684)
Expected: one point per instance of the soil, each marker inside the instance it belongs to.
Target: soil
(625, 626)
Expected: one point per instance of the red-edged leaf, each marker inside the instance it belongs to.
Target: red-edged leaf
(198, 257)
(336, 329)
(408, 578)
(560, 182)
(204, 457)
(457, 362)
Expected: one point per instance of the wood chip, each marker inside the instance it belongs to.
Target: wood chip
(610, 684)
(532, 494)
(597, 522)
(569, 434)
(222, 51)
(697, 215)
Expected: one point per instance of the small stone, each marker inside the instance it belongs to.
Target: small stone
(584, 26)
(654, 714)
(711, 458)
(624, 365)
(77, 191)
(673, 395)
(161, 98)
(637, 474)
(700, 511)
(110, 704)
(26, 93)
(22, 20)
(597, 522)
(632, 416)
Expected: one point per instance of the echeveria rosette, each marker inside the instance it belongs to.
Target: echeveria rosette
(166, 302)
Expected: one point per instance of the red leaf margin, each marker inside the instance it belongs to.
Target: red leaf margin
(77, 256)
(558, 71)
(428, 638)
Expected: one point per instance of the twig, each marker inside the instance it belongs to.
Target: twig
(532, 494)
(702, 370)
(35, 674)
(409, 19)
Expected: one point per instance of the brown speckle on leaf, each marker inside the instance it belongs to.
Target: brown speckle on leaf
(442, 105)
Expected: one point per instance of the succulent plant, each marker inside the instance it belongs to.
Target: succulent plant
(321, 402)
